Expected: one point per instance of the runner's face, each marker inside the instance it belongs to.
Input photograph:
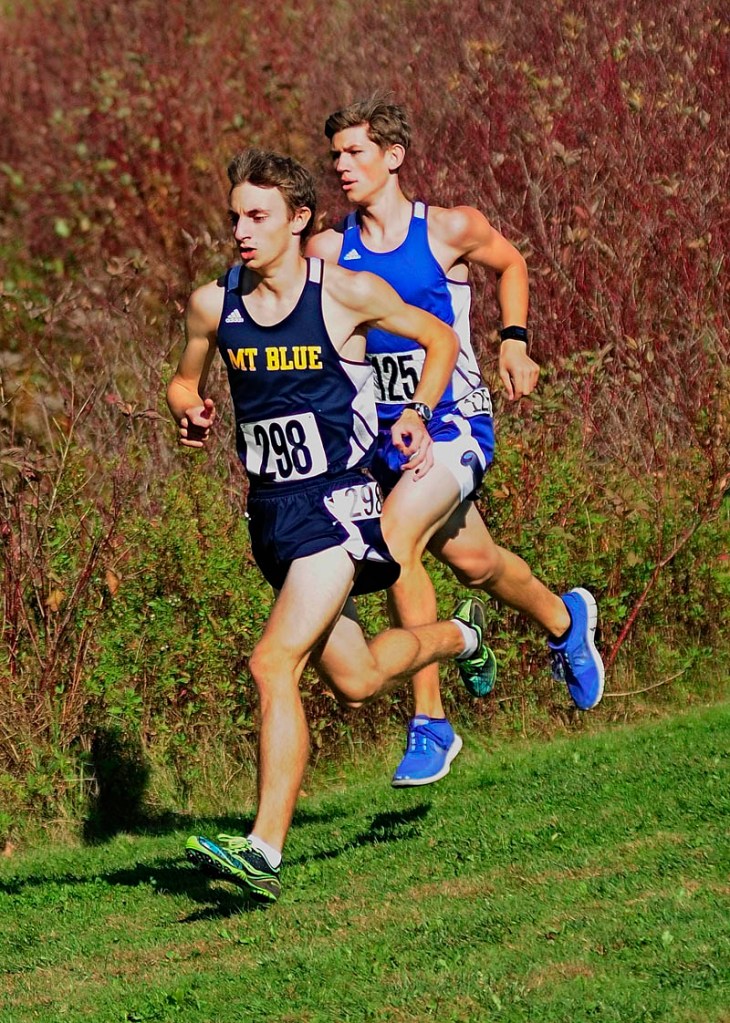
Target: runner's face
(261, 224)
(361, 165)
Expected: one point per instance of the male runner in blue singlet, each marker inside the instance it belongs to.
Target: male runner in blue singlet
(424, 253)
(290, 331)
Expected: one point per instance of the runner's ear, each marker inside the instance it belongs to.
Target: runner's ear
(300, 219)
(394, 156)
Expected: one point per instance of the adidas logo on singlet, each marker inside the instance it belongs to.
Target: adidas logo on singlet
(234, 317)
(352, 254)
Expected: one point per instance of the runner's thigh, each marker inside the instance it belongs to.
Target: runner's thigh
(311, 599)
(416, 508)
(464, 542)
(344, 657)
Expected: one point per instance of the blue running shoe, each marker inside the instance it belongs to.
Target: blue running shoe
(576, 662)
(478, 672)
(432, 745)
(234, 859)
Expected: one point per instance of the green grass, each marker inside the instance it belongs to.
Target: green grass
(585, 879)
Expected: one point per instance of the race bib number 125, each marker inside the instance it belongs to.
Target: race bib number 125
(396, 375)
(477, 403)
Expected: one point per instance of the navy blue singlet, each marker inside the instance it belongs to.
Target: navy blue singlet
(302, 412)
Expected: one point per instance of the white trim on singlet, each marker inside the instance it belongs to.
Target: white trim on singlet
(314, 273)
(315, 270)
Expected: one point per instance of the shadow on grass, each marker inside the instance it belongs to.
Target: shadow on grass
(394, 826)
(102, 825)
(176, 877)
(121, 775)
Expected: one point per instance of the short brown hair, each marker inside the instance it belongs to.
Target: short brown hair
(267, 169)
(387, 123)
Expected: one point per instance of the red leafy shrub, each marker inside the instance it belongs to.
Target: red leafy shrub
(116, 124)
(594, 138)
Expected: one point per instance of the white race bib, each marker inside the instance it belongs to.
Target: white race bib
(396, 375)
(289, 448)
(361, 501)
(476, 403)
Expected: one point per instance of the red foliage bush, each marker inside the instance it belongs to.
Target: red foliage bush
(593, 136)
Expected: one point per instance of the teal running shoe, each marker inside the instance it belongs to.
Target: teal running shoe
(233, 858)
(478, 672)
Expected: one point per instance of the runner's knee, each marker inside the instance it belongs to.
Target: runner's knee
(270, 668)
(481, 570)
(367, 691)
(407, 554)
(345, 701)
(411, 568)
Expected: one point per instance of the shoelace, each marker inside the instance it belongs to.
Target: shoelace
(477, 662)
(233, 843)
(558, 666)
(418, 741)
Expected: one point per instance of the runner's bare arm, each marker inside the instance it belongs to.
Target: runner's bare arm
(467, 235)
(193, 413)
(377, 304)
(435, 377)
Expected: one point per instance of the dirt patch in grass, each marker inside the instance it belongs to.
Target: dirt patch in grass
(555, 973)
(465, 888)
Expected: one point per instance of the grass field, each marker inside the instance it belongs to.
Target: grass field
(585, 879)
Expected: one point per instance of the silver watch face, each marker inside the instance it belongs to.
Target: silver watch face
(422, 410)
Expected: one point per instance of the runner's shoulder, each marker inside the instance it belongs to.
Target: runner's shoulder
(206, 302)
(326, 244)
(356, 289)
(457, 226)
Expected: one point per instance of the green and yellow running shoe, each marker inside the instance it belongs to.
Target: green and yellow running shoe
(478, 672)
(233, 858)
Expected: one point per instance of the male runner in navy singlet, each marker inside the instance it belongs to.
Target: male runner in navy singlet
(291, 332)
(424, 253)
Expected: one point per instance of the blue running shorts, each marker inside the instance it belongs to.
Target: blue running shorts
(463, 438)
(290, 522)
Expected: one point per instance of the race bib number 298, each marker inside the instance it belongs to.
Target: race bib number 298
(285, 449)
(361, 501)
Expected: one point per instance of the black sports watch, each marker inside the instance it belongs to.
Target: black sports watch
(421, 409)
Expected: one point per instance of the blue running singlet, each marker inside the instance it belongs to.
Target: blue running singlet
(462, 428)
(413, 271)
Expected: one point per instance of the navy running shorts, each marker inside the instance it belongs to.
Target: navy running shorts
(290, 522)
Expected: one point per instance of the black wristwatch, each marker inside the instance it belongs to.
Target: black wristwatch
(421, 409)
